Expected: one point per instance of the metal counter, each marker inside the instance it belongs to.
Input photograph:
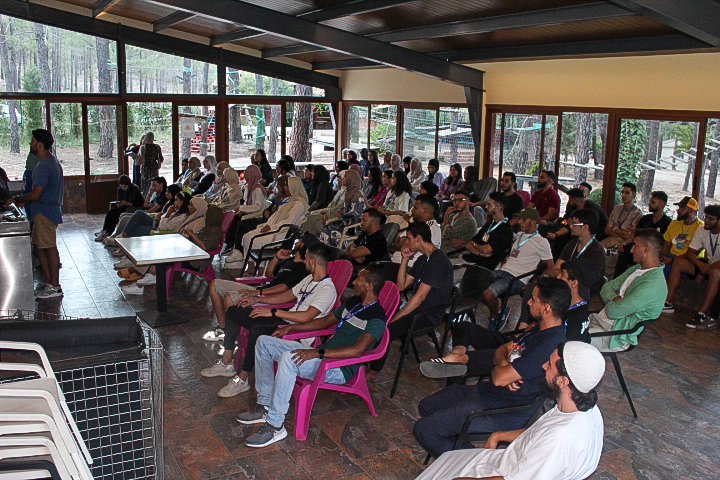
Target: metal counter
(16, 276)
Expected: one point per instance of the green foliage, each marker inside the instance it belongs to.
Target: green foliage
(633, 142)
(32, 110)
(596, 196)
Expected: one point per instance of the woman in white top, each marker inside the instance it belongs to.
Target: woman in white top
(397, 202)
(417, 174)
(218, 186)
(255, 198)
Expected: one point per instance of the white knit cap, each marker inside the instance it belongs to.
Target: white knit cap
(584, 364)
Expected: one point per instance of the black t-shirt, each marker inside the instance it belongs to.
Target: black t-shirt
(376, 243)
(500, 239)
(578, 321)
(132, 195)
(602, 218)
(646, 221)
(437, 272)
(288, 273)
(513, 204)
(593, 258)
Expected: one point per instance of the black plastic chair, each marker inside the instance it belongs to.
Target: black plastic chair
(614, 358)
(268, 251)
(390, 230)
(517, 291)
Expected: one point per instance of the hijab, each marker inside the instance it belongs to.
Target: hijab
(353, 186)
(212, 165)
(297, 190)
(213, 220)
(395, 163)
(224, 166)
(357, 168)
(416, 170)
(320, 176)
(232, 179)
(196, 221)
(252, 179)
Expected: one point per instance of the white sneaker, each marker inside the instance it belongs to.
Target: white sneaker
(234, 387)
(215, 335)
(49, 292)
(235, 256)
(219, 370)
(118, 252)
(148, 279)
(101, 233)
(124, 262)
(132, 289)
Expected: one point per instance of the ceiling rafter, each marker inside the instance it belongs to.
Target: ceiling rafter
(171, 20)
(355, 7)
(100, 6)
(276, 23)
(537, 18)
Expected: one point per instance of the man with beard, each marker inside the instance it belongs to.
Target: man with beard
(621, 226)
(679, 234)
(656, 219)
(563, 444)
(490, 245)
(515, 366)
(514, 203)
(46, 198)
(576, 200)
(546, 199)
(689, 264)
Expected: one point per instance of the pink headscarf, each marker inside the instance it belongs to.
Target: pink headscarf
(357, 169)
(252, 177)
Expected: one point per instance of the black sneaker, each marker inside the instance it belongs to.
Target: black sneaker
(258, 415)
(267, 435)
(696, 320)
(708, 324)
(668, 307)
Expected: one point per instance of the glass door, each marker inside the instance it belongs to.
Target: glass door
(66, 121)
(103, 148)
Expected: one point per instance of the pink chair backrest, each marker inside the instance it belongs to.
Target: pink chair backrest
(340, 272)
(389, 299)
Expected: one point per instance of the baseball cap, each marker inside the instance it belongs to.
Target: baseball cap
(584, 364)
(688, 202)
(530, 213)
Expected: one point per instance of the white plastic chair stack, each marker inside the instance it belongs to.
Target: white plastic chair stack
(36, 426)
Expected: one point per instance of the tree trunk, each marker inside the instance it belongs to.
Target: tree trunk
(105, 112)
(300, 146)
(42, 59)
(691, 163)
(187, 88)
(205, 112)
(11, 83)
(714, 158)
(601, 128)
(56, 87)
(272, 135)
(582, 146)
(647, 175)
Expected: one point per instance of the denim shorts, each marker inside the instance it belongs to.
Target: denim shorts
(501, 282)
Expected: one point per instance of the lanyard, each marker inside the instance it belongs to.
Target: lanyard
(283, 202)
(495, 225)
(713, 247)
(354, 312)
(586, 245)
(520, 341)
(578, 304)
(522, 242)
(621, 223)
(305, 294)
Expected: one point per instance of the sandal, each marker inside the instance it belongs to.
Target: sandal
(439, 368)
(129, 274)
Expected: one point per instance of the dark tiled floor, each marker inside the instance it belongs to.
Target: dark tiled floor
(672, 377)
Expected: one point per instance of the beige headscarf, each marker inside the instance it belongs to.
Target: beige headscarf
(416, 169)
(196, 221)
(297, 190)
(353, 187)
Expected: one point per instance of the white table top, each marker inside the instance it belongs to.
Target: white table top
(154, 249)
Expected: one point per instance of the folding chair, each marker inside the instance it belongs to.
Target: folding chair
(268, 250)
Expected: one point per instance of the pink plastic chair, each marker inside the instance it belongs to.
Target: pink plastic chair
(306, 390)
(339, 272)
(209, 273)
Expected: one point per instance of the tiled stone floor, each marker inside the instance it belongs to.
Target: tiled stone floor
(672, 377)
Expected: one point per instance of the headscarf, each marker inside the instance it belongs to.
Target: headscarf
(320, 176)
(297, 190)
(31, 162)
(224, 166)
(357, 168)
(232, 179)
(353, 186)
(396, 163)
(212, 164)
(213, 220)
(416, 169)
(252, 179)
(196, 221)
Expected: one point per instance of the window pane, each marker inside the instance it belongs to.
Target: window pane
(251, 127)
(156, 72)
(582, 150)
(240, 82)
(16, 131)
(657, 155)
(66, 122)
(146, 117)
(304, 143)
(102, 128)
(419, 133)
(709, 188)
(197, 131)
(521, 151)
(495, 147)
(357, 125)
(58, 60)
(383, 128)
(550, 145)
(456, 144)
(323, 134)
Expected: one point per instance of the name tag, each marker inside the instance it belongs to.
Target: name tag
(515, 252)
(486, 237)
(515, 353)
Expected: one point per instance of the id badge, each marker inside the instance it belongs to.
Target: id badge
(680, 245)
(515, 353)
(515, 252)
(486, 237)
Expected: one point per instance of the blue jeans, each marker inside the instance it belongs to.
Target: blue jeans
(274, 391)
(501, 283)
(139, 225)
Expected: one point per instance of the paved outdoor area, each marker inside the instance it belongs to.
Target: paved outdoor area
(672, 377)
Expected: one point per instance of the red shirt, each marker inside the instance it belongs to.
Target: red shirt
(545, 200)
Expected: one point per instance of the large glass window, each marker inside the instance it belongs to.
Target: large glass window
(49, 59)
(521, 148)
(67, 129)
(383, 128)
(356, 124)
(144, 117)
(18, 118)
(197, 131)
(710, 193)
(582, 150)
(455, 144)
(419, 132)
(251, 127)
(310, 133)
(240, 82)
(155, 72)
(102, 130)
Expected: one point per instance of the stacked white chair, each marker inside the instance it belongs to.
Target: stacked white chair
(35, 423)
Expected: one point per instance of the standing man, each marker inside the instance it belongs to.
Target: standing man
(689, 264)
(46, 198)
(152, 158)
(490, 245)
(371, 245)
(621, 226)
(458, 225)
(546, 199)
(679, 234)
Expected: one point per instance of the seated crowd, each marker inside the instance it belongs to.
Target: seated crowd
(394, 221)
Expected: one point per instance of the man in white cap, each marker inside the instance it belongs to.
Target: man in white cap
(564, 444)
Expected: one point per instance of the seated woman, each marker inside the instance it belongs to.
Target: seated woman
(386, 180)
(292, 211)
(128, 197)
(231, 195)
(155, 201)
(218, 185)
(196, 218)
(417, 174)
(397, 202)
(350, 214)
(396, 163)
(453, 182)
(387, 161)
(335, 177)
(192, 175)
(374, 183)
(434, 174)
(428, 187)
(308, 178)
(208, 238)
(472, 183)
(316, 220)
(247, 216)
(208, 176)
(320, 189)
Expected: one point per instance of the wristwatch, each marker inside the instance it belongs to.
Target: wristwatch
(321, 352)
(274, 312)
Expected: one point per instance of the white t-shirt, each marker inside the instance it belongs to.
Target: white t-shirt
(559, 446)
(321, 295)
(703, 239)
(526, 252)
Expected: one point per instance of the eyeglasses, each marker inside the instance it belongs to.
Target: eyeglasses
(577, 224)
(456, 200)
